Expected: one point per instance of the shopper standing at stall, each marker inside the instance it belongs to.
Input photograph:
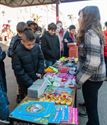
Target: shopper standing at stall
(28, 62)
(60, 33)
(50, 45)
(91, 66)
(69, 37)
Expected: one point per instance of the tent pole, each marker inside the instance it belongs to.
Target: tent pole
(57, 11)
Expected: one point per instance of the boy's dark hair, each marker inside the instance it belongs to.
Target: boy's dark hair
(72, 27)
(105, 23)
(28, 34)
(21, 26)
(52, 26)
(30, 22)
(15, 41)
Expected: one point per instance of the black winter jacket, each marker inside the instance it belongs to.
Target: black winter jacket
(50, 46)
(15, 41)
(2, 69)
(26, 63)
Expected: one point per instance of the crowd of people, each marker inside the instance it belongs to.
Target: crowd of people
(31, 50)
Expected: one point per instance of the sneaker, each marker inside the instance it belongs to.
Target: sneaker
(4, 121)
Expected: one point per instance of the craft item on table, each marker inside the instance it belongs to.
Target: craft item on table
(73, 115)
(51, 78)
(63, 69)
(67, 79)
(69, 64)
(60, 79)
(50, 89)
(58, 63)
(72, 70)
(62, 59)
(61, 90)
(37, 89)
(51, 69)
(59, 96)
(54, 69)
(72, 59)
(65, 115)
(57, 116)
(35, 112)
(76, 60)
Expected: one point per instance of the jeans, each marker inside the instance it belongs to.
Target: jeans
(90, 94)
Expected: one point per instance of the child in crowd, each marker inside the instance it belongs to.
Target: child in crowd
(17, 38)
(28, 62)
(50, 45)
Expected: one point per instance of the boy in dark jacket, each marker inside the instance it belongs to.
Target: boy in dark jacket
(15, 41)
(28, 62)
(50, 45)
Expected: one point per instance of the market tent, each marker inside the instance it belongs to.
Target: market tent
(21, 3)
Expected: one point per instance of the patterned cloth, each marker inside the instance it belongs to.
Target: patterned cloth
(91, 65)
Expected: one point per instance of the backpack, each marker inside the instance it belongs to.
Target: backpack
(15, 41)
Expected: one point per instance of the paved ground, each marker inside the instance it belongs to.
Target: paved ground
(12, 90)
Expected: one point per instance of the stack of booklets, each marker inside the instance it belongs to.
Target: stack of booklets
(45, 113)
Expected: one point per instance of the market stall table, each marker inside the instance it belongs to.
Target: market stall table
(56, 105)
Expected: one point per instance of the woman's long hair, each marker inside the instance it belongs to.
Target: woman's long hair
(91, 20)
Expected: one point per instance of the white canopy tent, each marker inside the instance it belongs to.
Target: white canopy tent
(23, 3)
(20, 3)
